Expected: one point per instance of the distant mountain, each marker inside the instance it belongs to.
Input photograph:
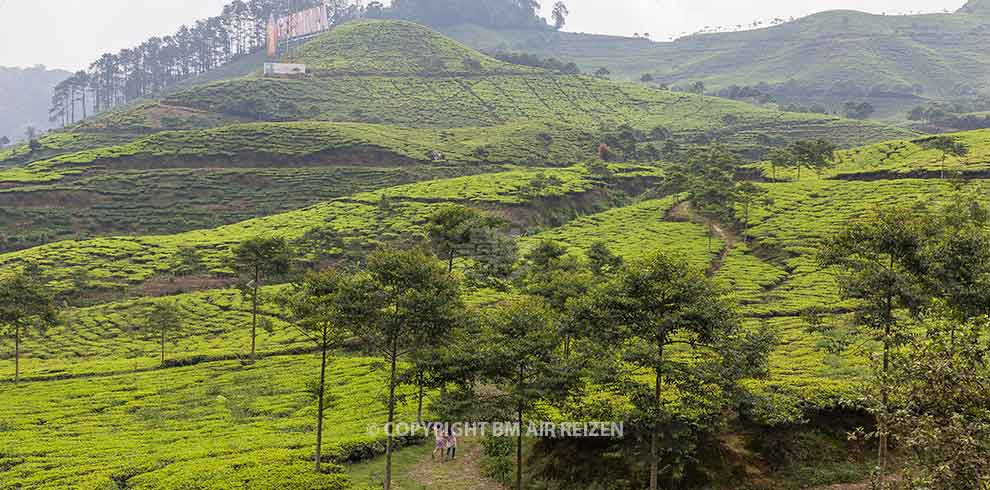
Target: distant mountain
(976, 7)
(25, 94)
(841, 54)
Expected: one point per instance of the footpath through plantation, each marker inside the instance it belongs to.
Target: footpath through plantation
(248, 295)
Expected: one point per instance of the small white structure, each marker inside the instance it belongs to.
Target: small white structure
(284, 69)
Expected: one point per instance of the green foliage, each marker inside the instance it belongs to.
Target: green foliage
(522, 357)
(653, 307)
(163, 319)
(940, 402)
(457, 230)
(408, 302)
(25, 305)
(918, 157)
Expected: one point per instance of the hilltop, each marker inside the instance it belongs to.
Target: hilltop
(378, 47)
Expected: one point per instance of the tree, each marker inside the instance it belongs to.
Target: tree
(34, 146)
(877, 260)
(602, 260)
(544, 255)
(523, 359)
(260, 258)
(708, 179)
(656, 303)
(4, 141)
(698, 88)
(24, 305)
(816, 155)
(415, 303)
(558, 279)
(779, 157)
(748, 193)
(956, 256)
(861, 110)
(375, 10)
(323, 306)
(457, 230)
(603, 72)
(949, 146)
(559, 15)
(163, 318)
(647, 78)
(942, 421)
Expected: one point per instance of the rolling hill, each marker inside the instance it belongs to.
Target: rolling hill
(392, 97)
(831, 57)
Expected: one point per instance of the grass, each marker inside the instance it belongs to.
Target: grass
(60, 143)
(450, 102)
(212, 426)
(935, 53)
(633, 232)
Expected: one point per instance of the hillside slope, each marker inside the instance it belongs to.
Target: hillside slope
(843, 53)
(385, 94)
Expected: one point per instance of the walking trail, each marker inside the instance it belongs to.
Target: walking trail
(414, 469)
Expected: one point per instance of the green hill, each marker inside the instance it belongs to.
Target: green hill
(375, 102)
(845, 54)
(371, 47)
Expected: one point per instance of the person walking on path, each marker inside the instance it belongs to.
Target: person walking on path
(441, 444)
(451, 445)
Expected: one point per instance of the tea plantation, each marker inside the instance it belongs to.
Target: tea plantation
(145, 205)
(213, 425)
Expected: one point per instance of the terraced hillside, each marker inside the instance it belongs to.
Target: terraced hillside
(354, 223)
(218, 153)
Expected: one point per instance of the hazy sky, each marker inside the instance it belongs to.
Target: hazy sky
(70, 33)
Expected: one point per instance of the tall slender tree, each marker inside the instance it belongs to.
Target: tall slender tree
(877, 260)
(258, 259)
(25, 305)
(657, 303)
(416, 303)
(164, 318)
(525, 360)
(323, 307)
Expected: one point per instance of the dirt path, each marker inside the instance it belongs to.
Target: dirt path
(729, 239)
(463, 473)
(414, 469)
